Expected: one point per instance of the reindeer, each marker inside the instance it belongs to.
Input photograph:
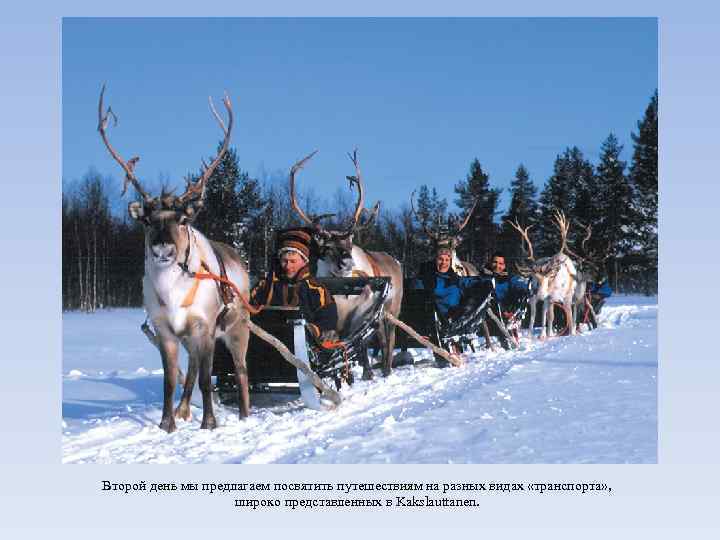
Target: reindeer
(451, 241)
(554, 277)
(590, 269)
(182, 307)
(339, 257)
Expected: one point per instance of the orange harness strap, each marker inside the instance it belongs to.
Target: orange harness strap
(190, 298)
(255, 310)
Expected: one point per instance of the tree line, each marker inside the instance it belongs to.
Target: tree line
(103, 250)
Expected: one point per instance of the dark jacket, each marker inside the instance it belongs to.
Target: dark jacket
(315, 301)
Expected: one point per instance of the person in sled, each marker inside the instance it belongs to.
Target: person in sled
(452, 294)
(599, 292)
(292, 284)
(511, 292)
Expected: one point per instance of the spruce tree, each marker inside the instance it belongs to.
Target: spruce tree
(613, 232)
(480, 233)
(614, 229)
(231, 213)
(424, 218)
(524, 209)
(571, 174)
(644, 178)
(222, 210)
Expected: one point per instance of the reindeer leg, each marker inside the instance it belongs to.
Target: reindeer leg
(237, 343)
(570, 317)
(389, 348)
(169, 354)
(206, 360)
(575, 317)
(367, 374)
(200, 345)
(183, 409)
(533, 314)
(488, 341)
(546, 320)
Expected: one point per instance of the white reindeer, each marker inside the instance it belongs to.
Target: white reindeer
(555, 279)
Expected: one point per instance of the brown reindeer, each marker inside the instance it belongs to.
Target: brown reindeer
(554, 277)
(450, 241)
(182, 307)
(338, 256)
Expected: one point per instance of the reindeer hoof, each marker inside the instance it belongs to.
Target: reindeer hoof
(208, 423)
(367, 375)
(183, 413)
(386, 371)
(167, 424)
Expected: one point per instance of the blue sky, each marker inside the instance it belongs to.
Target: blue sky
(420, 98)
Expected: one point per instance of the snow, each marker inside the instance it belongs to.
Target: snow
(590, 398)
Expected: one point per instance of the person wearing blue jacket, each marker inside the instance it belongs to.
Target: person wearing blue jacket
(599, 292)
(446, 286)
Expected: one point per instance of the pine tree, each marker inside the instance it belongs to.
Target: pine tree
(480, 233)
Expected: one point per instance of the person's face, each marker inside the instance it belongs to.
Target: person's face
(442, 262)
(498, 264)
(290, 264)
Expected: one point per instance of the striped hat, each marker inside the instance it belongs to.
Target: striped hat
(294, 241)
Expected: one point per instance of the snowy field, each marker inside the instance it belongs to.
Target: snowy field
(591, 398)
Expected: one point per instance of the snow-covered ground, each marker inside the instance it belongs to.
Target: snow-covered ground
(591, 398)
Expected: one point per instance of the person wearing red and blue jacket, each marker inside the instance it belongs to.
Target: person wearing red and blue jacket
(292, 284)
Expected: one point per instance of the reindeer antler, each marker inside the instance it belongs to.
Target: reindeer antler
(357, 179)
(360, 206)
(467, 218)
(293, 198)
(129, 166)
(588, 232)
(197, 190)
(524, 234)
(372, 214)
(563, 226)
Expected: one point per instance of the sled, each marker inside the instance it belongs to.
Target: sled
(269, 372)
(455, 333)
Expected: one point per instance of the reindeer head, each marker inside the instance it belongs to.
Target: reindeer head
(545, 269)
(165, 218)
(334, 247)
(443, 238)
